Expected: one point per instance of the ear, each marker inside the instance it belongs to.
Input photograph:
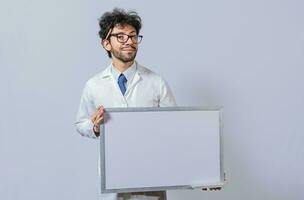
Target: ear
(106, 45)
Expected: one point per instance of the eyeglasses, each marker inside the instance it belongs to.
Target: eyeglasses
(123, 38)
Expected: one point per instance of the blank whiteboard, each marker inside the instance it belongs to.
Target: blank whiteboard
(149, 149)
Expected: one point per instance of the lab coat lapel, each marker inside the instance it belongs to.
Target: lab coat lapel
(137, 78)
(118, 99)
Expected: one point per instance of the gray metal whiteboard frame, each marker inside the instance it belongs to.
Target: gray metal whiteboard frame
(159, 109)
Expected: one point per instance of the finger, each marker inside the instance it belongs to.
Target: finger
(94, 116)
(101, 109)
(96, 113)
(99, 121)
(99, 114)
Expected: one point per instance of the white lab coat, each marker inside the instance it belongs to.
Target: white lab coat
(146, 89)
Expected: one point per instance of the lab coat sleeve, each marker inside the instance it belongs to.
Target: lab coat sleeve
(166, 97)
(83, 123)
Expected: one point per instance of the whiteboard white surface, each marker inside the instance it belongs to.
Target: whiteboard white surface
(147, 149)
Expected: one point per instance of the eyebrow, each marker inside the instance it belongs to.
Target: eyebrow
(124, 33)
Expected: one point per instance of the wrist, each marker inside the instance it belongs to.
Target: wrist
(96, 130)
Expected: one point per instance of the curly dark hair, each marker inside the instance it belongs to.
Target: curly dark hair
(118, 17)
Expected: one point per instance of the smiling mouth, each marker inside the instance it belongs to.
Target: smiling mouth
(128, 49)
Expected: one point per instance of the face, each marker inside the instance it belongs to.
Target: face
(123, 51)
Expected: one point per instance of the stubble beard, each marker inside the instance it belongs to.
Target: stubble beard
(124, 57)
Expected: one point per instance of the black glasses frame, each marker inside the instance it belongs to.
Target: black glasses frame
(135, 38)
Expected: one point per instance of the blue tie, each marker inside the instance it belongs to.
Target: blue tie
(121, 83)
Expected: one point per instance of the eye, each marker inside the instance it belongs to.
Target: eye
(120, 37)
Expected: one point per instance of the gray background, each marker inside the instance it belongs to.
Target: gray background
(245, 55)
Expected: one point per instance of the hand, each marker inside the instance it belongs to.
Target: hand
(97, 119)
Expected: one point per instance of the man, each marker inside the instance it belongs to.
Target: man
(125, 83)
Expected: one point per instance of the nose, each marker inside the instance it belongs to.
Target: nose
(130, 41)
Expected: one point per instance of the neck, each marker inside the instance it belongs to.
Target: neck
(121, 66)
